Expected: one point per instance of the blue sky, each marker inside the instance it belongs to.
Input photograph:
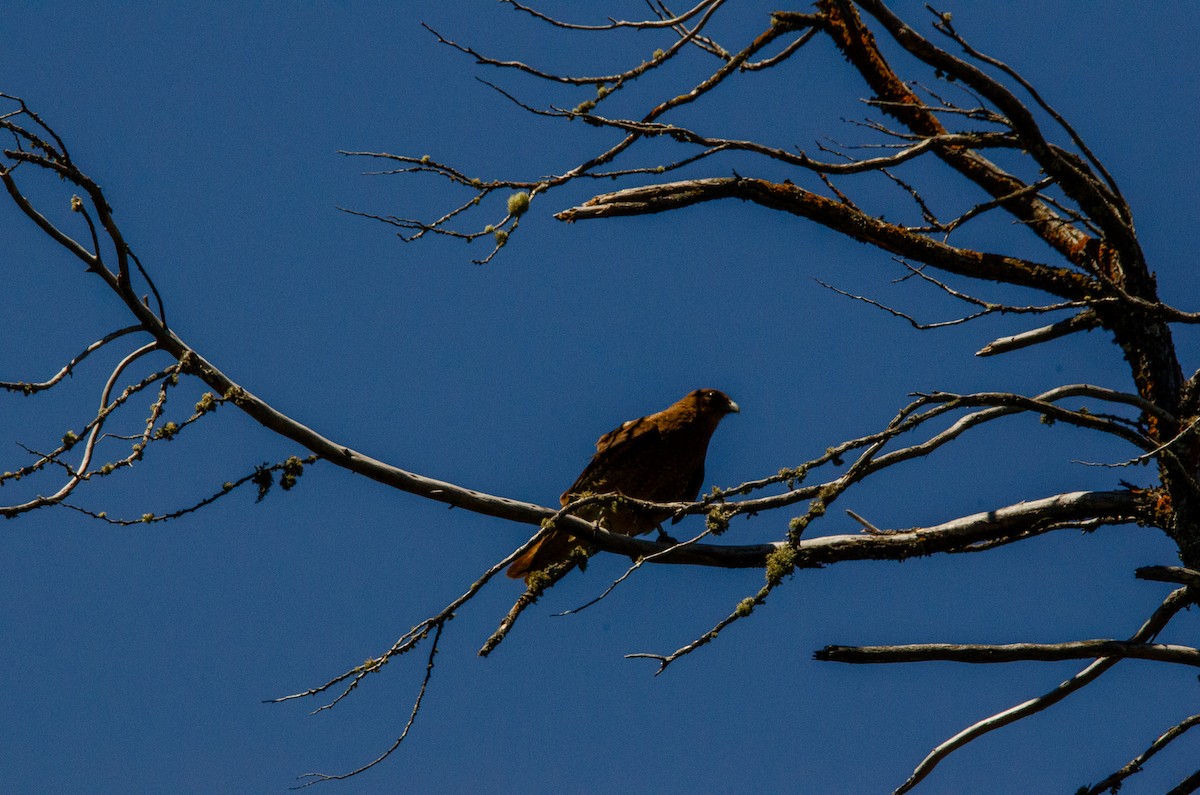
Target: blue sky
(136, 659)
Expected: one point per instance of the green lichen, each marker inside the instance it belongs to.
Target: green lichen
(501, 237)
(206, 403)
(69, 439)
(717, 519)
(167, 431)
(745, 607)
(780, 563)
(293, 468)
(537, 581)
(518, 203)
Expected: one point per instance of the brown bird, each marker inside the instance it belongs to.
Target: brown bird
(659, 458)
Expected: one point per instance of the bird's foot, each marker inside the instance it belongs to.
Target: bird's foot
(664, 538)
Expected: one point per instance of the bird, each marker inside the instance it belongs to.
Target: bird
(657, 458)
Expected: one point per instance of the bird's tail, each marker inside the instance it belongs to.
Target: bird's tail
(554, 548)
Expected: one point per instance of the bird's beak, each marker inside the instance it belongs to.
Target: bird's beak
(734, 408)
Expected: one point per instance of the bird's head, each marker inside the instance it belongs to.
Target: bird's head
(713, 402)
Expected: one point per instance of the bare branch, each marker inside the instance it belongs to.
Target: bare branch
(988, 308)
(1176, 574)
(945, 25)
(1010, 652)
(1176, 601)
(292, 465)
(616, 79)
(1149, 454)
(29, 389)
(637, 564)
(782, 55)
(1187, 786)
(1113, 782)
(89, 447)
(793, 199)
(1084, 321)
(316, 778)
(617, 23)
(1096, 199)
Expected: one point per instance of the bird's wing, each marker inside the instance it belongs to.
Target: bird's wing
(627, 432)
(616, 451)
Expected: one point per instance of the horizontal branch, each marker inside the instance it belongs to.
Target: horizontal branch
(1009, 652)
(1175, 574)
(975, 140)
(957, 535)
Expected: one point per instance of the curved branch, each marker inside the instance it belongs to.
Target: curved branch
(56, 234)
(80, 472)
(29, 389)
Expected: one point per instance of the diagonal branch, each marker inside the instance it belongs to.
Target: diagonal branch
(858, 44)
(1176, 601)
(1084, 321)
(837, 216)
(1075, 178)
(1113, 782)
